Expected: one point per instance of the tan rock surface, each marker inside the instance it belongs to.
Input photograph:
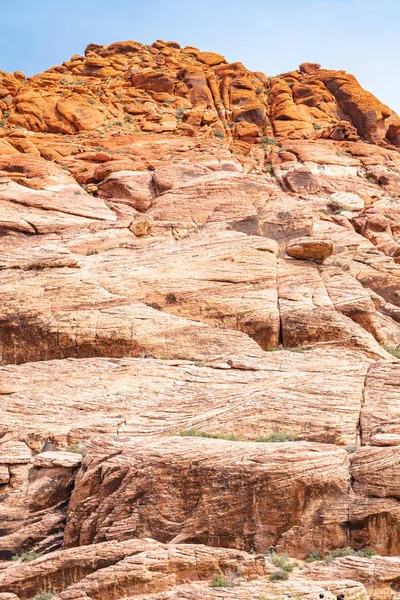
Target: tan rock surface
(186, 244)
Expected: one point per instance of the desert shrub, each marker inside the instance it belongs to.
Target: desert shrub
(283, 562)
(312, 556)
(393, 351)
(91, 101)
(203, 434)
(43, 596)
(351, 449)
(280, 575)
(284, 436)
(26, 557)
(219, 134)
(218, 581)
(341, 552)
(268, 141)
(75, 448)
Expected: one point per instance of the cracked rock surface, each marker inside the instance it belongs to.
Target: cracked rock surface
(199, 331)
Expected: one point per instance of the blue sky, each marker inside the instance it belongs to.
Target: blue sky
(359, 36)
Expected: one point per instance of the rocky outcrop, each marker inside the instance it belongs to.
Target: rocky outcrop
(199, 330)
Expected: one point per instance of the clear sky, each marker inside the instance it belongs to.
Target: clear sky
(359, 36)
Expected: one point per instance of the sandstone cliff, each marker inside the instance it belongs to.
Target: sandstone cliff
(199, 331)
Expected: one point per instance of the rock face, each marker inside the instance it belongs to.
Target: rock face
(199, 330)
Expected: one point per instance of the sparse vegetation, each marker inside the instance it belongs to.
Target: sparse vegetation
(284, 436)
(91, 101)
(43, 596)
(219, 134)
(2, 123)
(267, 141)
(313, 556)
(351, 449)
(203, 434)
(180, 112)
(341, 552)
(317, 127)
(280, 575)
(259, 89)
(128, 119)
(393, 351)
(75, 448)
(26, 557)
(218, 581)
(283, 562)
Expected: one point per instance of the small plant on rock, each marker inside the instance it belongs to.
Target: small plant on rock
(75, 448)
(312, 556)
(393, 351)
(267, 141)
(351, 449)
(203, 434)
(26, 557)
(219, 135)
(284, 436)
(341, 552)
(283, 562)
(218, 581)
(280, 575)
(43, 596)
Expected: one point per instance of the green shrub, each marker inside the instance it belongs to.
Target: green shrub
(317, 127)
(27, 557)
(219, 134)
(280, 575)
(75, 448)
(312, 556)
(284, 436)
(2, 123)
(91, 101)
(218, 581)
(259, 89)
(283, 562)
(180, 112)
(128, 119)
(367, 553)
(43, 596)
(203, 434)
(341, 552)
(393, 351)
(351, 449)
(268, 141)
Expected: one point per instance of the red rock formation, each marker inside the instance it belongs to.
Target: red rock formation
(190, 250)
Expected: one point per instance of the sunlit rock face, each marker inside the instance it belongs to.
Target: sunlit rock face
(199, 331)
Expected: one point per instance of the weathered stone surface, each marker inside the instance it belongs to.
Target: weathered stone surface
(309, 249)
(148, 397)
(380, 413)
(147, 197)
(379, 574)
(131, 567)
(208, 501)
